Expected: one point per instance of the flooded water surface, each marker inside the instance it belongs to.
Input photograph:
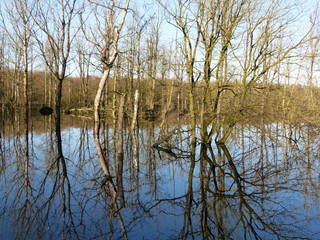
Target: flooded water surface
(263, 183)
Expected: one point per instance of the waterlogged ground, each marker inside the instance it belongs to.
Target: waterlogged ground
(262, 184)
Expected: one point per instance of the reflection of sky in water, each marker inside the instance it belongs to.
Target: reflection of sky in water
(156, 199)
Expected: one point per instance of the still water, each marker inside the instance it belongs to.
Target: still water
(262, 184)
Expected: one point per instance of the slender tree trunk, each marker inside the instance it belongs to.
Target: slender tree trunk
(101, 156)
(26, 114)
(120, 149)
(96, 106)
(114, 98)
(58, 117)
(192, 115)
(134, 130)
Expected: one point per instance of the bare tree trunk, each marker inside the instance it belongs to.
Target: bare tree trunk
(114, 98)
(26, 113)
(120, 149)
(58, 117)
(97, 102)
(134, 130)
(109, 52)
(101, 155)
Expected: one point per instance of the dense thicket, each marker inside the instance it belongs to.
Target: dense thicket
(271, 102)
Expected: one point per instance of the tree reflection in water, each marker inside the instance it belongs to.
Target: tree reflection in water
(262, 184)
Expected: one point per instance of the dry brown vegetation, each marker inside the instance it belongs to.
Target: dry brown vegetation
(270, 102)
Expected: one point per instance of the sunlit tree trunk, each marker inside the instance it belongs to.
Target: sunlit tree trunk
(114, 95)
(109, 52)
(134, 130)
(26, 106)
(120, 151)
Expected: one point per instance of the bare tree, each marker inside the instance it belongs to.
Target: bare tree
(54, 20)
(185, 23)
(230, 41)
(107, 46)
(105, 39)
(55, 33)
